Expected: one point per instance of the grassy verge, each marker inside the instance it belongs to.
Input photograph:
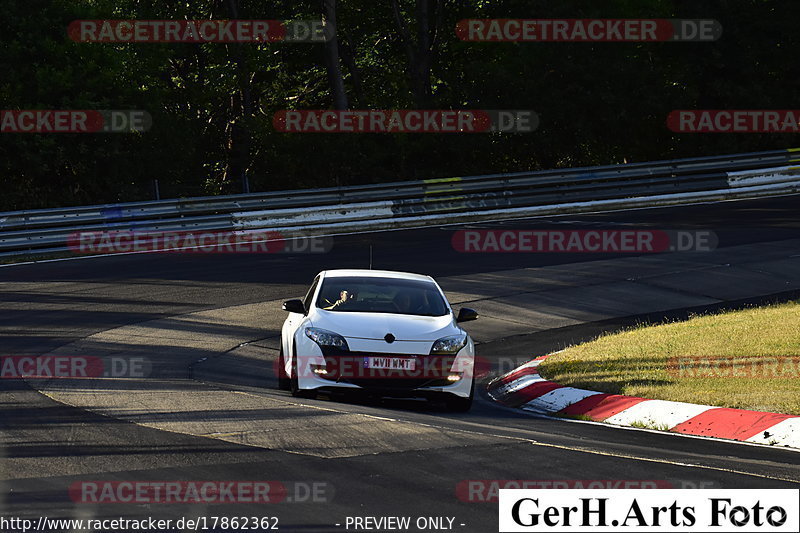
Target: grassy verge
(748, 359)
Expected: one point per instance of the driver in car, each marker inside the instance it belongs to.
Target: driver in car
(345, 298)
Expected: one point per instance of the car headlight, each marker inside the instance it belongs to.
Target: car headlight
(449, 345)
(323, 337)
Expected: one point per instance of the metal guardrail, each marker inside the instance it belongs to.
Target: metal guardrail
(397, 204)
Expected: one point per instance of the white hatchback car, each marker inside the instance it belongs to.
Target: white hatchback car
(390, 333)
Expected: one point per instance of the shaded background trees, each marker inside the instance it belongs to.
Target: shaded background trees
(212, 104)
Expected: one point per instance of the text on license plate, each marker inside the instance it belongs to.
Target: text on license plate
(390, 363)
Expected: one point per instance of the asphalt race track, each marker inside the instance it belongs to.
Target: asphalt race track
(209, 408)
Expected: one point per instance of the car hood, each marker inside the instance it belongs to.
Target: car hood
(377, 325)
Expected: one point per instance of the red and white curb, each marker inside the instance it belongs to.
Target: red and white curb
(524, 388)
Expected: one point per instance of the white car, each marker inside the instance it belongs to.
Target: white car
(389, 333)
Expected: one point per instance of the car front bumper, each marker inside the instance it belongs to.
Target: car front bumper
(347, 371)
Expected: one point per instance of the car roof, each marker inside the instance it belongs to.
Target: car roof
(363, 273)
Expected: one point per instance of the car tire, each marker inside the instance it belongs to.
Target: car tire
(457, 404)
(283, 378)
(294, 386)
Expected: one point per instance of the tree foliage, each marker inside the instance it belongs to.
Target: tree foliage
(212, 104)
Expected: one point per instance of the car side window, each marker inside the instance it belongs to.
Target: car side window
(310, 294)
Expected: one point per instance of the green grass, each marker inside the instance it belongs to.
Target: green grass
(649, 425)
(747, 359)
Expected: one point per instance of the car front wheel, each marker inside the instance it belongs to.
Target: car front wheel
(457, 404)
(294, 386)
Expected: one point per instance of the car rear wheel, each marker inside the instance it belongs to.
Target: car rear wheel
(283, 379)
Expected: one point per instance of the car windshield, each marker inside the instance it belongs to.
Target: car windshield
(381, 295)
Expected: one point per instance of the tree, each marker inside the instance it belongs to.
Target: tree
(420, 50)
(332, 55)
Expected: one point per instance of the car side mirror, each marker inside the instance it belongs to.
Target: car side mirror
(466, 314)
(294, 306)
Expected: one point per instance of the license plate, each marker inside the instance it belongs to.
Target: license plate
(390, 363)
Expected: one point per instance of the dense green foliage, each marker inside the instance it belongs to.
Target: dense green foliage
(598, 102)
